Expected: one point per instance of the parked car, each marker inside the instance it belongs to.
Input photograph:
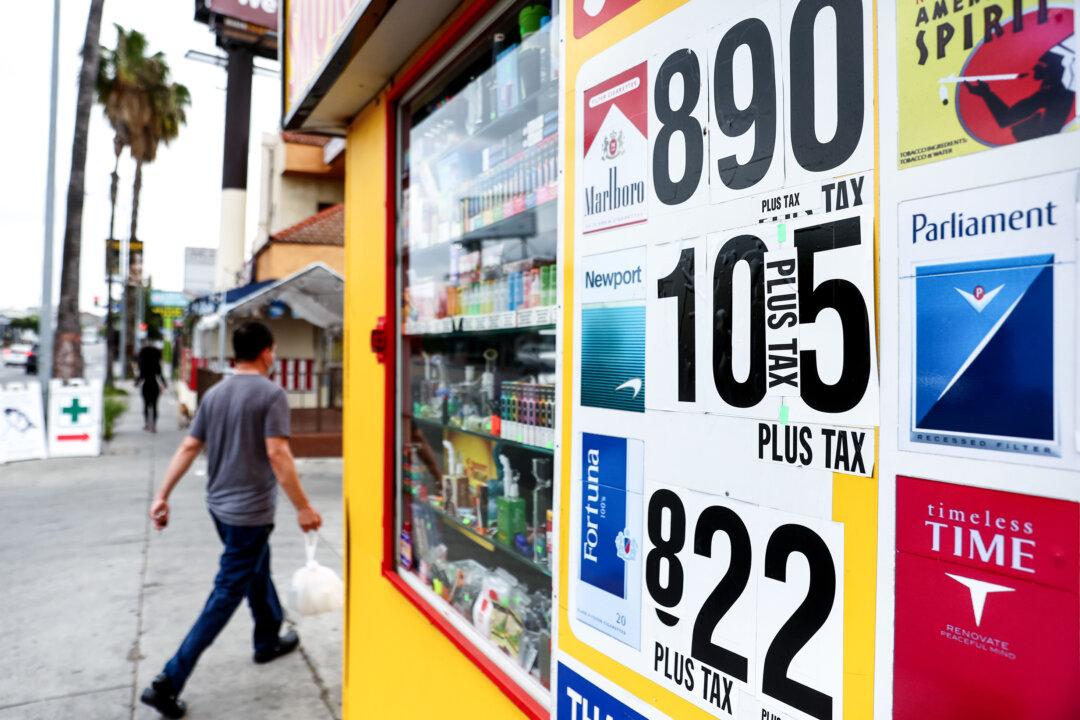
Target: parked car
(31, 360)
(16, 353)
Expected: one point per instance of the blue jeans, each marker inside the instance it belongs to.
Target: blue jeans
(244, 572)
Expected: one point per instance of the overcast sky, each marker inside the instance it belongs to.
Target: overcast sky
(181, 193)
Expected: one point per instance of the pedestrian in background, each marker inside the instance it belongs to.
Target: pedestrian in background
(243, 422)
(152, 382)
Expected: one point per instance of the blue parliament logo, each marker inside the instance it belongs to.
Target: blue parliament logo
(984, 355)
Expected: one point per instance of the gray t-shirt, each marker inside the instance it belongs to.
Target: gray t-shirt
(234, 420)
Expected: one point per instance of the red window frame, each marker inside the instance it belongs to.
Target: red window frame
(473, 13)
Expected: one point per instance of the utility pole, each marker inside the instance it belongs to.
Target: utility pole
(230, 255)
(125, 251)
(45, 322)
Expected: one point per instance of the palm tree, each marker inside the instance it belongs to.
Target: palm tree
(67, 354)
(161, 116)
(144, 109)
(165, 113)
(121, 89)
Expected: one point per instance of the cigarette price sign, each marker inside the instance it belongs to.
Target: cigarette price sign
(722, 353)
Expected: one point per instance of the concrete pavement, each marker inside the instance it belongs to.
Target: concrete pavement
(95, 601)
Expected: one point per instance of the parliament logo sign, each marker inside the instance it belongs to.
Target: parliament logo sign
(984, 355)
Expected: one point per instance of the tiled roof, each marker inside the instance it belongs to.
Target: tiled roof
(304, 138)
(322, 228)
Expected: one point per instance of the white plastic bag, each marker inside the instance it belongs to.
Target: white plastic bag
(315, 588)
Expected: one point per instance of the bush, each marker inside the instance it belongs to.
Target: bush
(115, 391)
(113, 408)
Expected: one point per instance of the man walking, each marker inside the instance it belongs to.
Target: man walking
(244, 424)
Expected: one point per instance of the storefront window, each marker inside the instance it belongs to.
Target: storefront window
(477, 248)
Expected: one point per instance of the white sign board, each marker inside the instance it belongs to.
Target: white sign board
(22, 422)
(75, 418)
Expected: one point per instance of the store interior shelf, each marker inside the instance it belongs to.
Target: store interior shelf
(524, 224)
(485, 436)
(518, 321)
(543, 100)
(488, 543)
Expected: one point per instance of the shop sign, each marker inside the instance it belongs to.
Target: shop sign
(22, 422)
(312, 29)
(978, 76)
(987, 603)
(169, 305)
(988, 277)
(263, 13)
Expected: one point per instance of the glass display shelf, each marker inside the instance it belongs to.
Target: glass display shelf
(544, 100)
(432, 423)
(488, 542)
(535, 687)
(515, 321)
(477, 221)
(527, 223)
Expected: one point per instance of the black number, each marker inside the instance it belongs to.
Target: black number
(843, 297)
(760, 114)
(665, 549)
(680, 284)
(804, 622)
(809, 152)
(678, 120)
(727, 591)
(749, 392)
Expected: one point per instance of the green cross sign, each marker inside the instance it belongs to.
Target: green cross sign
(74, 410)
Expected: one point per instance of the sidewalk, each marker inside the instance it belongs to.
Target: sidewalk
(94, 601)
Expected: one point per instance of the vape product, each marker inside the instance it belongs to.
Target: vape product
(550, 538)
(454, 482)
(511, 507)
(541, 470)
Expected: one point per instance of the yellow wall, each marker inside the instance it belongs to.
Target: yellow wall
(397, 665)
(281, 260)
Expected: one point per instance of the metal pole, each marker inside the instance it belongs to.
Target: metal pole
(230, 254)
(45, 322)
(110, 375)
(124, 270)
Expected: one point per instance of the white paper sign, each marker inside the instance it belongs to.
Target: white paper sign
(22, 422)
(746, 148)
(829, 376)
(679, 110)
(723, 580)
(75, 418)
(838, 449)
(613, 277)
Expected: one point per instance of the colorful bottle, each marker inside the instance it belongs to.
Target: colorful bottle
(510, 507)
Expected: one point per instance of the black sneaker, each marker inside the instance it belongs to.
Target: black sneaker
(285, 645)
(161, 696)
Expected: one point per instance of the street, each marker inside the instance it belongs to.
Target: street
(96, 601)
(93, 356)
